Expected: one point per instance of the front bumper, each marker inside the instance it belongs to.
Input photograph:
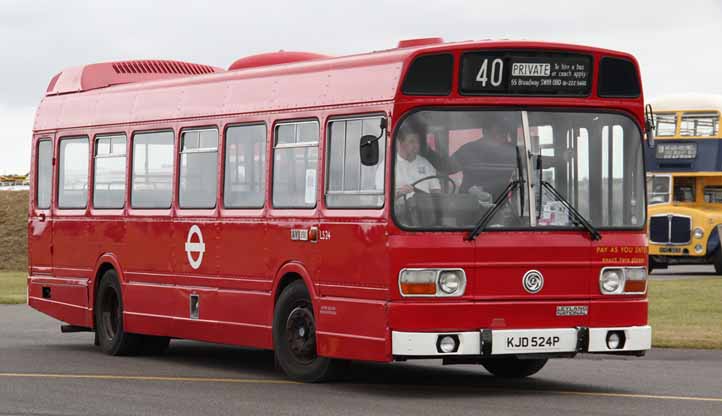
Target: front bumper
(488, 342)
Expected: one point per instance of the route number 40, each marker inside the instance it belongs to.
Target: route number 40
(497, 71)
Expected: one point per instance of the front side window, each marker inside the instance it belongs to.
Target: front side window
(73, 173)
(699, 124)
(665, 124)
(44, 174)
(451, 167)
(658, 188)
(684, 189)
(198, 168)
(245, 170)
(351, 184)
(152, 170)
(109, 181)
(295, 164)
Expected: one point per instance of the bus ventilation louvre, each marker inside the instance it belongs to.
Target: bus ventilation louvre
(94, 76)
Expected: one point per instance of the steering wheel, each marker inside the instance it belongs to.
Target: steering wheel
(446, 178)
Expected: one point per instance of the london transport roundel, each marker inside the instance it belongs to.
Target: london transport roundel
(195, 247)
(533, 281)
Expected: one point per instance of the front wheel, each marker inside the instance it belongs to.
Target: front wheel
(717, 260)
(294, 337)
(513, 367)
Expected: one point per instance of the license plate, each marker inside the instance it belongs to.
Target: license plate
(670, 250)
(533, 341)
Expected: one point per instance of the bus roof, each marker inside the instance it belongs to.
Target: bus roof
(683, 102)
(82, 97)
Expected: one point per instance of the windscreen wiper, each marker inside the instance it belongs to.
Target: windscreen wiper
(579, 218)
(489, 214)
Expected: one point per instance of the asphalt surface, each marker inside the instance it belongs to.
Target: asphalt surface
(44, 372)
(705, 271)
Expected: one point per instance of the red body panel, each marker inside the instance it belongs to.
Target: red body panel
(352, 271)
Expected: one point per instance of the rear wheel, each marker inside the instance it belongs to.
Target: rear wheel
(513, 367)
(294, 337)
(109, 327)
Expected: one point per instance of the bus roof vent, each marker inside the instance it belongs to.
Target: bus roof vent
(93, 76)
(410, 43)
(274, 58)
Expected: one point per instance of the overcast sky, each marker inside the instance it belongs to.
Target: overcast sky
(678, 44)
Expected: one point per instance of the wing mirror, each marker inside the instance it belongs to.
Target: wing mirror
(369, 146)
(649, 125)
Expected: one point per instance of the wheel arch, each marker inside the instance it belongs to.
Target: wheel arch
(289, 273)
(105, 262)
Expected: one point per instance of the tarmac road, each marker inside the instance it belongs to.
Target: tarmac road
(44, 372)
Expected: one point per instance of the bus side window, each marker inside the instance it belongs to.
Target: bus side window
(109, 180)
(73, 173)
(294, 165)
(244, 183)
(152, 170)
(44, 173)
(198, 168)
(350, 184)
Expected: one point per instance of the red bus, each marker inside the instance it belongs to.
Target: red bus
(476, 202)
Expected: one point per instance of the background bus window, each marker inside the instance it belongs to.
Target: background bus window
(713, 194)
(351, 184)
(73, 173)
(109, 180)
(245, 169)
(44, 173)
(658, 189)
(295, 165)
(665, 124)
(684, 189)
(198, 169)
(152, 170)
(699, 124)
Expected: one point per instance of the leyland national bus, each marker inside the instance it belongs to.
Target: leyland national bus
(684, 182)
(476, 202)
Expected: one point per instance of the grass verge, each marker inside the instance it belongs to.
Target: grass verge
(12, 287)
(686, 313)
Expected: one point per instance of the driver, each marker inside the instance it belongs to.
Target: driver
(488, 163)
(410, 166)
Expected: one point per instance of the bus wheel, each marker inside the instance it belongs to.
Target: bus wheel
(294, 337)
(112, 338)
(512, 367)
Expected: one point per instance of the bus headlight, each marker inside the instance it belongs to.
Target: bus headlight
(432, 282)
(611, 281)
(698, 233)
(450, 281)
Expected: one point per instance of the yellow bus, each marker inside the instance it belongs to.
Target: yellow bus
(684, 182)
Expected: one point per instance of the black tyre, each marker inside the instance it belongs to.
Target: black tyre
(153, 345)
(512, 367)
(109, 329)
(717, 261)
(294, 338)
(650, 265)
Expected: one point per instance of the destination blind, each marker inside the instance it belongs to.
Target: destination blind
(520, 73)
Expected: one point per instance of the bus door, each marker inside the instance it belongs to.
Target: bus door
(40, 224)
(353, 228)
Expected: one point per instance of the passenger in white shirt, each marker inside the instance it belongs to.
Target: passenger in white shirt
(410, 167)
